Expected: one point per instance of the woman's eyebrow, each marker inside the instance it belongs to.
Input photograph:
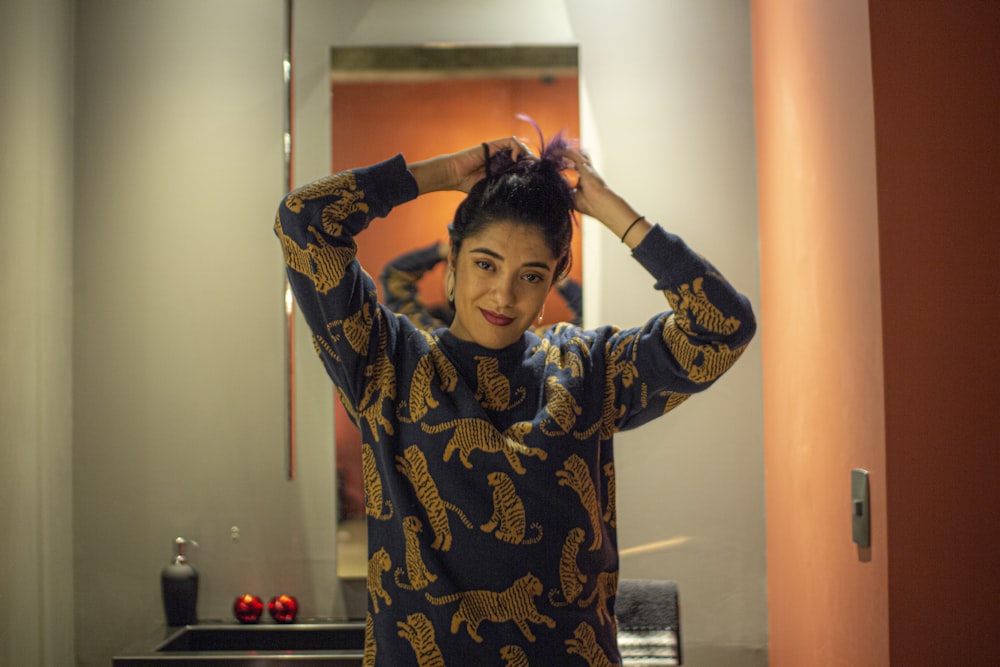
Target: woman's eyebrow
(488, 251)
(496, 255)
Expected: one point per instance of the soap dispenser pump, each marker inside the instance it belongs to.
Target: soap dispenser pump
(179, 585)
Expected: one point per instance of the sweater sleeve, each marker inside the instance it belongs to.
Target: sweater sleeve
(572, 293)
(685, 350)
(316, 225)
(400, 279)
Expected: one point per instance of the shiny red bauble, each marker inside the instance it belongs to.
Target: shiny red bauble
(248, 608)
(283, 608)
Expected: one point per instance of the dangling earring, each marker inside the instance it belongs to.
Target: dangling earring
(450, 285)
(541, 314)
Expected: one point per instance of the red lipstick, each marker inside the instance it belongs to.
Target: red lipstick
(496, 318)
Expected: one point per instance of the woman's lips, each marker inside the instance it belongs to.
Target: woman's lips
(496, 318)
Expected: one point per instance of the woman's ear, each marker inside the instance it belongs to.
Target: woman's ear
(449, 284)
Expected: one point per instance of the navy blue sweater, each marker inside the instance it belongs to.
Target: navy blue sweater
(489, 474)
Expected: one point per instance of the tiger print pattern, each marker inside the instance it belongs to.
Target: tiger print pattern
(570, 357)
(413, 465)
(514, 656)
(321, 262)
(323, 348)
(703, 362)
(605, 588)
(375, 506)
(620, 370)
(493, 389)
(355, 328)
(508, 518)
(576, 475)
(421, 397)
(610, 510)
(532, 428)
(562, 407)
(419, 577)
(379, 563)
(380, 388)
(570, 576)
(369, 654)
(418, 631)
(516, 605)
(584, 644)
(473, 434)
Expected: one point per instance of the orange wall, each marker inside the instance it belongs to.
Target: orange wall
(821, 331)
(879, 154)
(936, 69)
(374, 121)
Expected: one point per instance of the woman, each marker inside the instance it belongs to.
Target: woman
(488, 457)
(400, 279)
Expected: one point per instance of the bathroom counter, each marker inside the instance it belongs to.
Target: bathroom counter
(315, 642)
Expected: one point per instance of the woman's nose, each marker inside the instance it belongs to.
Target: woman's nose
(504, 292)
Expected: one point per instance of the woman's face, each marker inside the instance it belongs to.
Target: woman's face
(502, 275)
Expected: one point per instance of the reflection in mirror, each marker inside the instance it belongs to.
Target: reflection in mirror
(423, 101)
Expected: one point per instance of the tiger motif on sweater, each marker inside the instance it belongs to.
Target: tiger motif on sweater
(576, 475)
(691, 302)
(493, 389)
(379, 562)
(421, 398)
(369, 654)
(610, 511)
(508, 517)
(419, 632)
(321, 262)
(565, 358)
(584, 644)
(374, 503)
(471, 434)
(514, 656)
(605, 588)
(414, 466)
(561, 406)
(416, 570)
(380, 387)
(356, 328)
(342, 186)
(516, 605)
(621, 368)
(570, 577)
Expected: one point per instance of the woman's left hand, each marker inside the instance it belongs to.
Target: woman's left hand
(592, 196)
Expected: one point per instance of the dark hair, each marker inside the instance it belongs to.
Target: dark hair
(528, 191)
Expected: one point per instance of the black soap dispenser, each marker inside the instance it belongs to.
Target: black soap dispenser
(179, 585)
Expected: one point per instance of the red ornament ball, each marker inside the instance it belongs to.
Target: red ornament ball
(248, 608)
(283, 608)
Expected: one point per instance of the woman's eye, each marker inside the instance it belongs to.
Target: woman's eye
(533, 278)
(483, 264)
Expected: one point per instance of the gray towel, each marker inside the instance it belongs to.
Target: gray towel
(648, 613)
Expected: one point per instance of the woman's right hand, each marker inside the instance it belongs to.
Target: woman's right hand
(461, 170)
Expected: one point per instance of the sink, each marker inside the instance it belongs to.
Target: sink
(337, 643)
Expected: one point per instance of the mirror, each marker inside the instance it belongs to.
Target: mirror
(423, 101)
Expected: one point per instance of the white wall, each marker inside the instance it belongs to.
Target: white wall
(668, 113)
(179, 339)
(36, 233)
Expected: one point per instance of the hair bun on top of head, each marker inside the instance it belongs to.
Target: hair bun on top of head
(548, 159)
